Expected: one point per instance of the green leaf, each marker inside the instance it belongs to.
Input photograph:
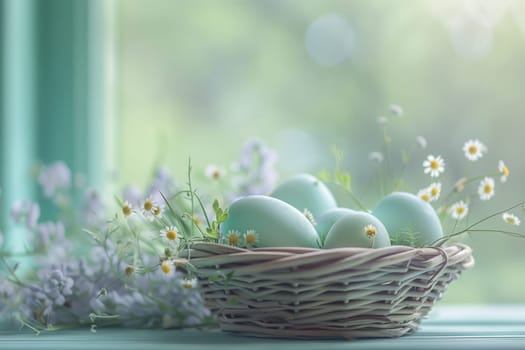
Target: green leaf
(233, 300)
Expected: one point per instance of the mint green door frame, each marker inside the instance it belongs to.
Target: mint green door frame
(52, 94)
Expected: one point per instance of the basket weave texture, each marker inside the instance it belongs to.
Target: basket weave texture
(325, 293)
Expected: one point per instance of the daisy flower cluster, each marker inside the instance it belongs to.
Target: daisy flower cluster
(85, 270)
(453, 202)
(88, 269)
(248, 239)
(485, 185)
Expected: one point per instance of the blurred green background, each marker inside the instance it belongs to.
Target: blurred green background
(198, 78)
(118, 87)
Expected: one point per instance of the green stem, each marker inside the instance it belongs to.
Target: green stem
(469, 228)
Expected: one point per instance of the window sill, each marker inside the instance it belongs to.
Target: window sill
(455, 327)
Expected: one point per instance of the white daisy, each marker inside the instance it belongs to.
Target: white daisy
(370, 231)
(511, 219)
(233, 237)
(127, 209)
(214, 172)
(503, 170)
(251, 238)
(434, 190)
(167, 267)
(189, 283)
(424, 195)
(458, 210)
(474, 149)
(434, 165)
(158, 210)
(148, 208)
(486, 189)
(170, 233)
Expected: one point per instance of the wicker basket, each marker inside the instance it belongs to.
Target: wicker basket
(325, 293)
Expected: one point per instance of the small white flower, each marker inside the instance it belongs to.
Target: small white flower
(511, 219)
(127, 209)
(486, 189)
(148, 206)
(434, 190)
(421, 142)
(170, 233)
(370, 231)
(458, 210)
(424, 194)
(434, 165)
(396, 110)
(214, 172)
(503, 170)
(233, 237)
(474, 150)
(167, 267)
(158, 210)
(376, 157)
(189, 283)
(251, 238)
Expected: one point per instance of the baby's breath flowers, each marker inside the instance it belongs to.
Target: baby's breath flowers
(458, 210)
(434, 165)
(511, 219)
(486, 189)
(502, 168)
(474, 150)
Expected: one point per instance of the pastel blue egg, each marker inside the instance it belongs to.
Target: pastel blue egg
(358, 229)
(325, 221)
(276, 223)
(408, 219)
(305, 191)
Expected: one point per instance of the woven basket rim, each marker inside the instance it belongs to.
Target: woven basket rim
(398, 248)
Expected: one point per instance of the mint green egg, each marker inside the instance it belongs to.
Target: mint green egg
(408, 219)
(326, 220)
(276, 223)
(305, 191)
(358, 229)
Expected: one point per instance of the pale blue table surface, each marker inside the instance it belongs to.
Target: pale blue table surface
(448, 327)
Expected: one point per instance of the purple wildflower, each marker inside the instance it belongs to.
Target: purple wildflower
(255, 170)
(93, 209)
(54, 177)
(26, 213)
